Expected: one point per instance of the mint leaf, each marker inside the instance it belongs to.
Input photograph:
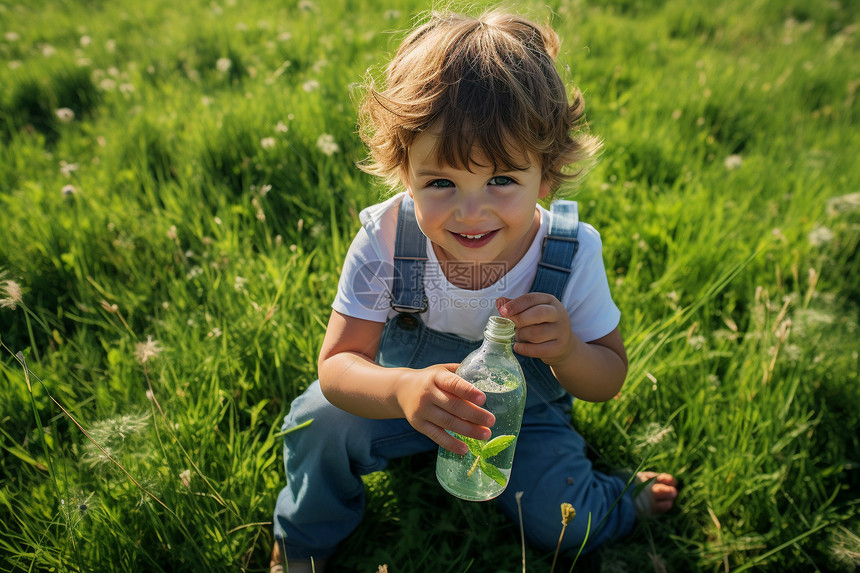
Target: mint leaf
(475, 446)
(493, 472)
(496, 445)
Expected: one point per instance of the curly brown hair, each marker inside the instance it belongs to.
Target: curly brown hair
(486, 82)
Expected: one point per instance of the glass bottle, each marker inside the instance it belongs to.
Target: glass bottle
(483, 472)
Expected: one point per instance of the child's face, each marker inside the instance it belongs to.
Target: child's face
(481, 216)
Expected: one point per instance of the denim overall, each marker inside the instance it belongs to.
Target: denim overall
(323, 501)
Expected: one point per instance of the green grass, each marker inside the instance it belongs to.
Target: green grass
(177, 235)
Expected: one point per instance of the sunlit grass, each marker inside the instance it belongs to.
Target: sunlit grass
(177, 193)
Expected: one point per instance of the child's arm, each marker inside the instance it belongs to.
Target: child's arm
(592, 371)
(431, 399)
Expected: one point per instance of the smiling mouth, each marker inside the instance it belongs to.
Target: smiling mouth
(474, 240)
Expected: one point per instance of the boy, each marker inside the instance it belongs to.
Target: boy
(475, 123)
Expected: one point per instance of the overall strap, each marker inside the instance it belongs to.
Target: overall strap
(410, 255)
(558, 249)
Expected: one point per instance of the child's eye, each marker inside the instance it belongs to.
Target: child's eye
(442, 183)
(500, 181)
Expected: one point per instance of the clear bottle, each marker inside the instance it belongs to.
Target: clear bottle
(483, 472)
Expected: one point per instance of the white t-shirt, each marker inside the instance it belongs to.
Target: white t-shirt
(364, 290)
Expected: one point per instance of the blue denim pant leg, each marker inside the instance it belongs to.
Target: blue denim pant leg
(323, 500)
(551, 468)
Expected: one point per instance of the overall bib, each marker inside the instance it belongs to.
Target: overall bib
(323, 501)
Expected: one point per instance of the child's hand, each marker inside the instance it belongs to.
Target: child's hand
(435, 399)
(543, 326)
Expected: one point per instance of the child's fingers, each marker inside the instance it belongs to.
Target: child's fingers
(459, 387)
(531, 308)
(461, 401)
(445, 440)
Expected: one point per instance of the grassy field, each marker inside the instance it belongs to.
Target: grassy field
(177, 190)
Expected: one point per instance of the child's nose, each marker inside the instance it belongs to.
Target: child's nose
(471, 210)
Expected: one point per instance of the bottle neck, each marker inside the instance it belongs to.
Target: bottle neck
(499, 334)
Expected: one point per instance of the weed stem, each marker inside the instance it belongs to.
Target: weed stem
(475, 465)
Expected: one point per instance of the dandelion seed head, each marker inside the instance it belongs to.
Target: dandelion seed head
(145, 351)
(65, 114)
(223, 65)
(69, 190)
(268, 143)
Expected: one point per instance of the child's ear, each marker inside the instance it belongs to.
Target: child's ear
(544, 190)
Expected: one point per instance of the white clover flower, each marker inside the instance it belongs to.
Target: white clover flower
(843, 204)
(185, 478)
(69, 190)
(11, 36)
(223, 65)
(310, 85)
(327, 144)
(733, 162)
(144, 351)
(820, 236)
(66, 169)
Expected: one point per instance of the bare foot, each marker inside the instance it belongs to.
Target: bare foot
(657, 495)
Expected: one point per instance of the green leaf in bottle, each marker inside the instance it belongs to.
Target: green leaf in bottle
(483, 450)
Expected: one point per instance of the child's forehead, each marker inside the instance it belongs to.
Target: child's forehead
(426, 150)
